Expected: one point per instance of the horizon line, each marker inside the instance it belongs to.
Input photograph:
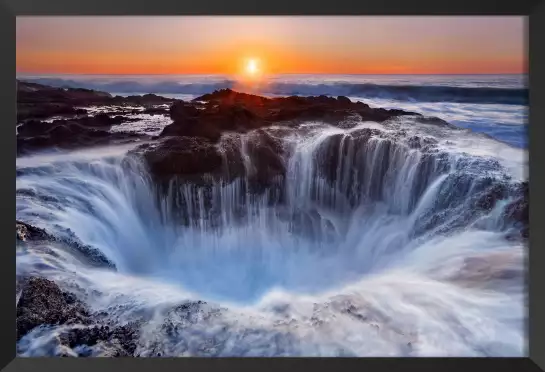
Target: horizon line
(283, 73)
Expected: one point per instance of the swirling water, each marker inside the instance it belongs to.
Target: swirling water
(376, 250)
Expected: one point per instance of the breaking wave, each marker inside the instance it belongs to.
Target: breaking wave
(398, 92)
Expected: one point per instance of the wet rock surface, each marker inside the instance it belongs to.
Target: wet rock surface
(25, 232)
(227, 110)
(41, 302)
(518, 211)
(267, 164)
(156, 111)
(72, 127)
(207, 117)
(211, 122)
(202, 161)
(37, 101)
(71, 136)
(192, 158)
(199, 147)
(39, 239)
(295, 107)
(102, 340)
(36, 135)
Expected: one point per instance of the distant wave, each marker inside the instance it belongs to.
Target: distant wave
(429, 93)
(136, 87)
(417, 93)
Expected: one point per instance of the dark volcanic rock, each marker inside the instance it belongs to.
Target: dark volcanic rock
(35, 101)
(42, 303)
(223, 111)
(414, 142)
(211, 122)
(31, 128)
(45, 110)
(268, 167)
(26, 233)
(148, 99)
(67, 134)
(230, 97)
(517, 211)
(195, 159)
(345, 100)
(436, 121)
(181, 111)
(227, 110)
(40, 101)
(491, 196)
(103, 120)
(189, 157)
(113, 341)
(174, 162)
(156, 111)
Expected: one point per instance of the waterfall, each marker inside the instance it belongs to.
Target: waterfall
(408, 232)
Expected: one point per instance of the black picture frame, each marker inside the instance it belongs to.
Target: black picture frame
(534, 9)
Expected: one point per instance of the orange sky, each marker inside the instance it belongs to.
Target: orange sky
(195, 45)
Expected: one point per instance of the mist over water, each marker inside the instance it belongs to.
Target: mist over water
(370, 248)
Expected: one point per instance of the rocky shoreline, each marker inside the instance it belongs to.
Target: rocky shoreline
(41, 303)
(195, 147)
(60, 117)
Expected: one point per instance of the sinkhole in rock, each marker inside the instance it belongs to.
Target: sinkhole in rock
(310, 253)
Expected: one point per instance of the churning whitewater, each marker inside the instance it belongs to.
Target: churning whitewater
(371, 246)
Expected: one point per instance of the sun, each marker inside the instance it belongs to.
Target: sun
(252, 66)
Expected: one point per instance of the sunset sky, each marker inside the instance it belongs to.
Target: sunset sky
(209, 45)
